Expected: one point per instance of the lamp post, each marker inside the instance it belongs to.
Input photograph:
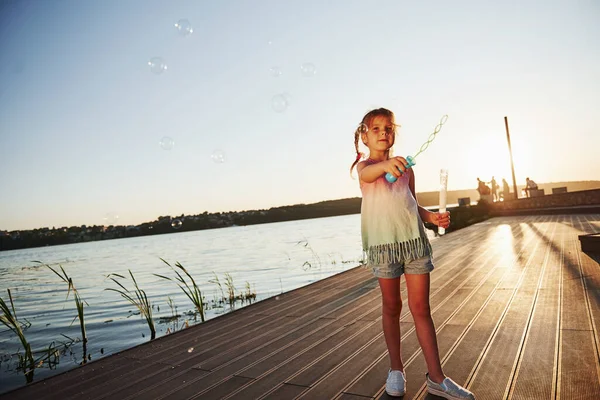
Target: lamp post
(512, 165)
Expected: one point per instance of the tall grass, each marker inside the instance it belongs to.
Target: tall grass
(10, 320)
(79, 304)
(190, 289)
(138, 298)
(230, 288)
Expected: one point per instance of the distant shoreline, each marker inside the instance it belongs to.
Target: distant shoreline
(42, 237)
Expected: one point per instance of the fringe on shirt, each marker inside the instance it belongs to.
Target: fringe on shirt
(396, 253)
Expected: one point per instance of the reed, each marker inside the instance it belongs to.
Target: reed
(230, 287)
(10, 320)
(218, 283)
(79, 304)
(138, 298)
(190, 289)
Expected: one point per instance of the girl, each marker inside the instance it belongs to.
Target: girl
(395, 243)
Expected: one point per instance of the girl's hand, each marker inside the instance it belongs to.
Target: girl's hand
(441, 219)
(394, 165)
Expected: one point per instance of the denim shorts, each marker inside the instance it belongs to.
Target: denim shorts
(422, 265)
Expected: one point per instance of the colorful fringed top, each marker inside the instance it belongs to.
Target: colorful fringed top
(392, 229)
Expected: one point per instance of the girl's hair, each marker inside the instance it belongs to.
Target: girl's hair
(366, 122)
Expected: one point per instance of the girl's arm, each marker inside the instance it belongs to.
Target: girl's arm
(370, 173)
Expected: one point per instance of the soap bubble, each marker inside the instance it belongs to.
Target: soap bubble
(157, 65)
(176, 223)
(276, 297)
(362, 128)
(110, 218)
(184, 27)
(308, 70)
(166, 143)
(280, 102)
(218, 156)
(190, 349)
(275, 72)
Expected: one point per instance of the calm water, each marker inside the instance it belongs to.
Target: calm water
(270, 257)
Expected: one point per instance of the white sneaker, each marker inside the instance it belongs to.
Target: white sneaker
(395, 385)
(449, 389)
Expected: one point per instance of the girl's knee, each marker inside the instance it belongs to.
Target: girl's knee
(392, 308)
(420, 309)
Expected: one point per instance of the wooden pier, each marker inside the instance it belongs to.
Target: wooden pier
(515, 301)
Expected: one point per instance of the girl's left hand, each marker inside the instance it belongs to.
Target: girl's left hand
(441, 219)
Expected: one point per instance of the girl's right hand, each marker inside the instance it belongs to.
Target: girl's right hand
(396, 164)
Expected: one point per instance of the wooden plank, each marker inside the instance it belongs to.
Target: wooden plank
(166, 387)
(579, 363)
(114, 383)
(191, 391)
(493, 374)
(77, 378)
(146, 382)
(285, 391)
(534, 376)
(311, 331)
(267, 379)
(236, 366)
(536, 372)
(259, 333)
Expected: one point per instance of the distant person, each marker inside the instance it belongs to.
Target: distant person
(505, 189)
(482, 188)
(529, 186)
(395, 243)
(494, 187)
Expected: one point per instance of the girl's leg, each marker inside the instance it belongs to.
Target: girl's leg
(391, 305)
(417, 286)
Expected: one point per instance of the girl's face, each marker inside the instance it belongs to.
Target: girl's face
(381, 134)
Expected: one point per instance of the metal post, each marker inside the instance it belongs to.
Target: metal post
(512, 165)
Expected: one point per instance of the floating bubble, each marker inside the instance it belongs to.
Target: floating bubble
(176, 223)
(287, 97)
(190, 349)
(184, 27)
(362, 128)
(275, 72)
(110, 218)
(308, 70)
(276, 297)
(218, 156)
(166, 143)
(157, 65)
(280, 102)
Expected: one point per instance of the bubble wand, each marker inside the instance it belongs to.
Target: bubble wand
(411, 159)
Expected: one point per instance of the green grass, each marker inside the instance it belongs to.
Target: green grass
(10, 320)
(138, 298)
(190, 289)
(79, 304)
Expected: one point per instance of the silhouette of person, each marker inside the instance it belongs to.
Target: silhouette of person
(529, 186)
(482, 188)
(494, 188)
(505, 189)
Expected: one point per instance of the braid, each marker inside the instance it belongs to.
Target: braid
(359, 155)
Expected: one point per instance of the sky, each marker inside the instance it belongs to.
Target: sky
(260, 102)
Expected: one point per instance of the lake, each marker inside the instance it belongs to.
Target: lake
(268, 258)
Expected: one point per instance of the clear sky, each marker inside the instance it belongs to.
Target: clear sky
(82, 114)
